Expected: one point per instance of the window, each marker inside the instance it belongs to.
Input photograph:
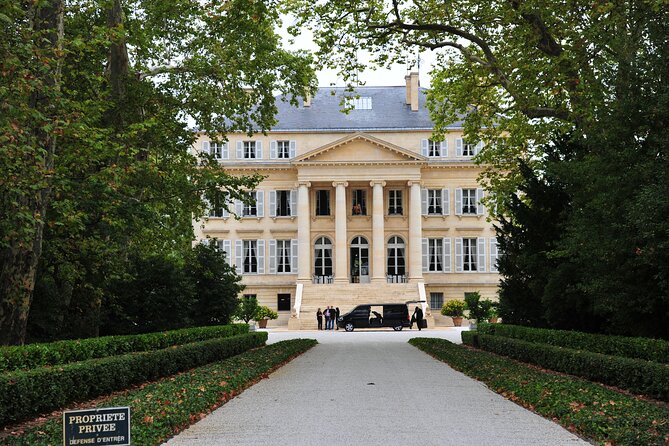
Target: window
(464, 148)
(434, 202)
(394, 202)
(469, 201)
(217, 205)
(469, 254)
(219, 150)
(359, 202)
(361, 103)
(249, 149)
(435, 254)
(468, 149)
(436, 301)
(283, 302)
(250, 262)
(283, 255)
(250, 209)
(323, 258)
(282, 203)
(283, 149)
(396, 271)
(433, 148)
(322, 202)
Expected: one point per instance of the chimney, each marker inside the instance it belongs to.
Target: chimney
(407, 79)
(307, 99)
(412, 90)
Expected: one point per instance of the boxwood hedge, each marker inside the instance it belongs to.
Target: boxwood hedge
(470, 338)
(639, 376)
(63, 352)
(24, 394)
(641, 348)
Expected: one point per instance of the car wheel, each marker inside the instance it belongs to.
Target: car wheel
(397, 328)
(348, 326)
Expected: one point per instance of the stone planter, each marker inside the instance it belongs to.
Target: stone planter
(457, 321)
(262, 323)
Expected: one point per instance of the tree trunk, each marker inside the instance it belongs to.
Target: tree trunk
(20, 258)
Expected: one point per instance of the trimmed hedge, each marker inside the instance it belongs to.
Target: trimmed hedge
(470, 338)
(640, 348)
(24, 394)
(588, 409)
(639, 376)
(63, 352)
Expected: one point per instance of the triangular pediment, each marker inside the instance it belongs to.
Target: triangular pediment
(360, 148)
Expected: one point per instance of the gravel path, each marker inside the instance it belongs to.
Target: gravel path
(371, 388)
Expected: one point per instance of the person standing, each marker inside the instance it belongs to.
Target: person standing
(326, 313)
(319, 318)
(336, 321)
(418, 314)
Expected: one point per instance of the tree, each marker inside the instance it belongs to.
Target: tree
(247, 309)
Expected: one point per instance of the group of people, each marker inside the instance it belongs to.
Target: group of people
(331, 314)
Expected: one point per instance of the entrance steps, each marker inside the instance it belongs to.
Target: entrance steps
(347, 296)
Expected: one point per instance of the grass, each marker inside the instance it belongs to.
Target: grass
(593, 411)
(161, 409)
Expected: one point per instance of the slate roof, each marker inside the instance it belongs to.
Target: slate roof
(389, 112)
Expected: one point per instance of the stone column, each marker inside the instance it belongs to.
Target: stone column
(378, 234)
(415, 233)
(303, 232)
(341, 256)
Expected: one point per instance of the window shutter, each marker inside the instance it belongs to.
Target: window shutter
(225, 213)
(261, 256)
(293, 149)
(259, 150)
(480, 209)
(260, 203)
(444, 149)
(240, 150)
(494, 255)
(458, 254)
(239, 207)
(228, 252)
(423, 147)
(293, 203)
(239, 255)
(293, 256)
(480, 264)
(445, 202)
(447, 254)
(478, 148)
(272, 150)
(458, 201)
(423, 201)
(272, 204)
(272, 257)
(205, 147)
(426, 259)
(225, 154)
(458, 147)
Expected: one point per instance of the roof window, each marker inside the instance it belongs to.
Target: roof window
(359, 103)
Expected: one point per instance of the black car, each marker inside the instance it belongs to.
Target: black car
(376, 316)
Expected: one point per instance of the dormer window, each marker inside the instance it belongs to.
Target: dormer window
(361, 103)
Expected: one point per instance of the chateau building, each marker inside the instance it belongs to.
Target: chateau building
(355, 208)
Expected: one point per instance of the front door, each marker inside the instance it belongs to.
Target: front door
(359, 260)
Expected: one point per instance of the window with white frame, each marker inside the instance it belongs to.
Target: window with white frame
(283, 149)
(282, 203)
(249, 149)
(323, 257)
(219, 150)
(283, 256)
(217, 205)
(436, 301)
(358, 103)
(435, 254)
(250, 262)
(434, 202)
(468, 149)
(395, 202)
(433, 148)
(396, 261)
(359, 202)
(469, 202)
(250, 209)
(469, 254)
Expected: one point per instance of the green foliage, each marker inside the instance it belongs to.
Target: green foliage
(454, 307)
(264, 312)
(27, 393)
(636, 348)
(163, 408)
(247, 309)
(590, 410)
(470, 337)
(480, 310)
(638, 376)
(63, 352)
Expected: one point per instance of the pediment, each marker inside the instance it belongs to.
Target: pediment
(359, 148)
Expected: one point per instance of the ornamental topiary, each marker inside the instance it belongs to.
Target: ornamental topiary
(454, 308)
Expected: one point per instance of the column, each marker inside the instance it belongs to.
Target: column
(378, 234)
(341, 256)
(415, 233)
(303, 232)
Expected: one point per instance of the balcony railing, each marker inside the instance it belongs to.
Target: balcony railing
(321, 279)
(396, 278)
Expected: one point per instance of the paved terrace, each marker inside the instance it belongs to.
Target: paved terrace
(371, 388)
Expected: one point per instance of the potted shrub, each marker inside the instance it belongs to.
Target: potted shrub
(493, 315)
(263, 314)
(454, 308)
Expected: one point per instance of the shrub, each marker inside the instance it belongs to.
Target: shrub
(640, 348)
(63, 352)
(470, 338)
(480, 310)
(247, 309)
(264, 312)
(454, 308)
(642, 377)
(27, 393)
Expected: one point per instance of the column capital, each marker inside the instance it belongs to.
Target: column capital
(414, 182)
(303, 183)
(340, 183)
(373, 183)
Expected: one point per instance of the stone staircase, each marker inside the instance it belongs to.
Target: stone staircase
(346, 296)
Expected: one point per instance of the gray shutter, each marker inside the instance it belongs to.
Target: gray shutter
(480, 264)
(458, 201)
(239, 255)
(225, 213)
(225, 153)
(426, 258)
(480, 209)
(272, 150)
(293, 148)
(239, 207)
(240, 150)
(259, 150)
(293, 253)
(260, 203)
(444, 149)
(494, 254)
(478, 148)
(293, 202)
(272, 204)
(458, 147)
(423, 201)
(205, 147)
(423, 147)
(458, 254)
(228, 252)
(447, 254)
(272, 257)
(445, 202)
(261, 256)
